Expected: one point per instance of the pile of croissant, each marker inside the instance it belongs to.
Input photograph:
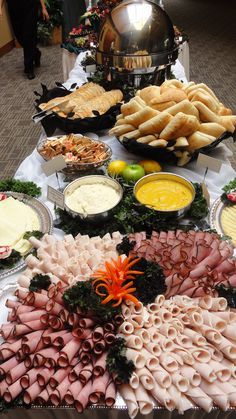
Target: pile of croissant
(84, 101)
(181, 117)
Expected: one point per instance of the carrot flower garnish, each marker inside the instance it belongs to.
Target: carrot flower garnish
(116, 281)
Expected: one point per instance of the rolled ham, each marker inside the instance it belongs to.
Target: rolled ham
(129, 397)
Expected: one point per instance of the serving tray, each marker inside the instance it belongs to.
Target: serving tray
(46, 225)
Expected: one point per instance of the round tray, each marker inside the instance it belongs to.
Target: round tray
(74, 168)
(166, 156)
(46, 225)
(80, 125)
(215, 217)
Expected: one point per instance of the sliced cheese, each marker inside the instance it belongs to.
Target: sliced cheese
(15, 219)
(228, 222)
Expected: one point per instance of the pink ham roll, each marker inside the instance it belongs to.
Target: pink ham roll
(108, 327)
(44, 396)
(16, 373)
(12, 303)
(3, 387)
(53, 308)
(7, 330)
(74, 374)
(50, 337)
(82, 398)
(99, 347)
(41, 356)
(8, 366)
(8, 350)
(44, 376)
(97, 334)
(24, 309)
(59, 376)
(72, 392)
(86, 323)
(30, 377)
(110, 394)
(33, 343)
(22, 329)
(12, 392)
(32, 315)
(59, 393)
(87, 345)
(60, 341)
(99, 388)
(85, 374)
(32, 392)
(68, 352)
(37, 300)
(100, 365)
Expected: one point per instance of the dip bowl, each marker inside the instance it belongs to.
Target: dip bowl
(161, 176)
(95, 217)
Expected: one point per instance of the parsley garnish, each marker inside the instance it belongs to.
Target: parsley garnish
(117, 363)
(40, 282)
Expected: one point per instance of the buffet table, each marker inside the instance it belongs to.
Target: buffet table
(31, 170)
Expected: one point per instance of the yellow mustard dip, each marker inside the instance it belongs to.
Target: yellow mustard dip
(164, 195)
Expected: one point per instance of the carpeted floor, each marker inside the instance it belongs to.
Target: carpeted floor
(211, 27)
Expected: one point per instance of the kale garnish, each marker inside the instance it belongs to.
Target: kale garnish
(35, 233)
(227, 292)
(40, 282)
(117, 363)
(10, 261)
(14, 185)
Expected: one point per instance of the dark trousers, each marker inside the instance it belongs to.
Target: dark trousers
(24, 16)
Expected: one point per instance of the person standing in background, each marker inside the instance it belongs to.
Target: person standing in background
(24, 17)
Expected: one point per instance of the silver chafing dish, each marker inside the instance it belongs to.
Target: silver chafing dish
(137, 39)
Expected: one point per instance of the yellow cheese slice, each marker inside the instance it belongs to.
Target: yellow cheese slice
(228, 222)
(15, 219)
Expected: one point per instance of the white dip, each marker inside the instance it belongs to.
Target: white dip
(92, 199)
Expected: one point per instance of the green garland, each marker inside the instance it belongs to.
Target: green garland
(130, 216)
(117, 363)
(40, 282)
(10, 261)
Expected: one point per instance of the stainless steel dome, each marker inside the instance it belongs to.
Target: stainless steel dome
(137, 36)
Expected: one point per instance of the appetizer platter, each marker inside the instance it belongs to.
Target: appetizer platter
(173, 122)
(21, 215)
(76, 335)
(88, 108)
(81, 153)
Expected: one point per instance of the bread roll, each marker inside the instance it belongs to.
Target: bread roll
(206, 115)
(172, 83)
(160, 143)
(156, 124)
(204, 87)
(132, 134)
(212, 128)
(181, 142)
(163, 106)
(228, 122)
(140, 101)
(224, 111)
(149, 93)
(180, 126)
(202, 96)
(184, 159)
(171, 94)
(199, 140)
(147, 139)
(141, 116)
(121, 129)
(186, 107)
(131, 107)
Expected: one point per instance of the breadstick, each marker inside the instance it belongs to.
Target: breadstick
(132, 134)
(186, 107)
(206, 115)
(149, 93)
(147, 139)
(202, 96)
(199, 140)
(212, 128)
(181, 142)
(180, 126)
(130, 107)
(155, 125)
(121, 129)
(171, 94)
(224, 111)
(163, 106)
(141, 116)
(186, 157)
(229, 122)
(159, 143)
(171, 83)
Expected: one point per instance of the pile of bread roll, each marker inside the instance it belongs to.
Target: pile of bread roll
(188, 113)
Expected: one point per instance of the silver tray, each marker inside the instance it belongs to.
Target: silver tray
(45, 220)
(215, 216)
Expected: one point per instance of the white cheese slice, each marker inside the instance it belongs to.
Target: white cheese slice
(15, 219)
